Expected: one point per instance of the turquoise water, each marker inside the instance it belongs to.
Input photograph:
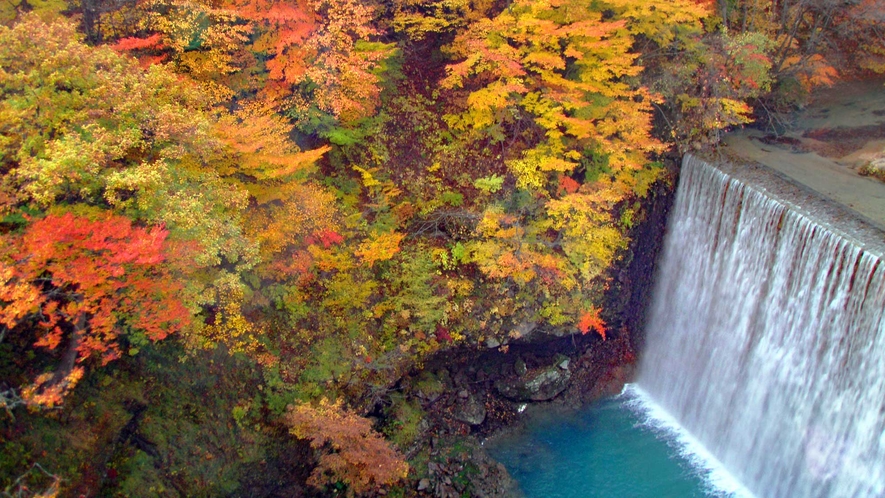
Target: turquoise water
(621, 447)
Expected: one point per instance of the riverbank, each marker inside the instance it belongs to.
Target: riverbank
(460, 399)
(468, 398)
(825, 145)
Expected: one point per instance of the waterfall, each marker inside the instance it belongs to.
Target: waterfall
(765, 339)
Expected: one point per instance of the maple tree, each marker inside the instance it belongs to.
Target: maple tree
(316, 55)
(88, 284)
(590, 320)
(350, 451)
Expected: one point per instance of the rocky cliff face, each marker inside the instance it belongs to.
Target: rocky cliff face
(465, 395)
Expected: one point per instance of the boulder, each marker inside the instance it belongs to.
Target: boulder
(469, 410)
(519, 367)
(423, 484)
(562, 362)
(536, 385)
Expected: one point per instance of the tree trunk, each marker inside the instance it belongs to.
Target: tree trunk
(70, 356)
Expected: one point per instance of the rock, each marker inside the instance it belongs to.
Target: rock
(444, 491)
(423, 425)
(428, 387)
(519, 367)
(491, 342)
(423, 484)
(876, 168)
(538, 385)
(524, 329)
(562, 361)
(463, 393)
(470, 411)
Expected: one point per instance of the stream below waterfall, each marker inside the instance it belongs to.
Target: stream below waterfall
(626, 446)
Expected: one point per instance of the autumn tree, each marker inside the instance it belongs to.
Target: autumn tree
(420, 19)
(102, 133)
(86, 125)
(85, 285)
(349, 450)
(813, 42)
(318, 55)
(710, 84)
(755, 60)
(556, 84)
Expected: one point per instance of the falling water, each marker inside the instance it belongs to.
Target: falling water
(766, 340)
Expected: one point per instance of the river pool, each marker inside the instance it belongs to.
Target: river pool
(620, 447)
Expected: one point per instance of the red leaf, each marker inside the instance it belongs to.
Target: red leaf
(591, 320)
(135, 43)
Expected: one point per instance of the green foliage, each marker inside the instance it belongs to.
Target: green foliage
(342, 137)
(453, 199)
(490, 184)
(155, 423)
(459, 252)
(417, 292)
(404, 419)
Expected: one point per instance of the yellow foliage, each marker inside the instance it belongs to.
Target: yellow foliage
(346, 292)
(259, 141)
(420, 18)
(380, 247)
(290, 212)
(590, 238)
(528, 173)
(229, 326)
(566, 66)
(369, 181)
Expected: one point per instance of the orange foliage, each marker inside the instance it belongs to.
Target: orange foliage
(286, 27)
(260, 143)
(590, 320)
(89, 281)
(568, 184)
(134, 43)
(380, 248)
(350, 451)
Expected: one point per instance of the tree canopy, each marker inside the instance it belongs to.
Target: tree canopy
(326, 193)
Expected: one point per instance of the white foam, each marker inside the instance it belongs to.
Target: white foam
(718, 480)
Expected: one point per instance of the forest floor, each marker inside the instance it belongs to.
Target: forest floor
(824, 146)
